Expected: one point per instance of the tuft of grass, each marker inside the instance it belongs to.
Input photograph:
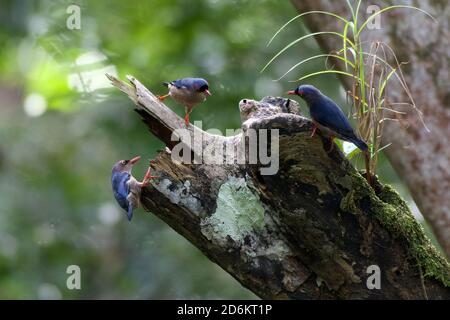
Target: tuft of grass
(371, 71)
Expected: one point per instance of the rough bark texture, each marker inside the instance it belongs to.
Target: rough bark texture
(421, 158)
(308, 232)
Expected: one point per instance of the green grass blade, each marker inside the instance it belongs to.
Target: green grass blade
(355, 19)
(344, 40)
(352, 154)
(312, 58)
(362, 78)
(384, 83)
(351, 9)
(352, 51)
(301, 15)
(390, 8)
(384, 147)
(324, 72)
(297, 41)
(339, 144)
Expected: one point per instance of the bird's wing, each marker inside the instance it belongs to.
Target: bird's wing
(328, 114)
(121, 188)
(183, 83)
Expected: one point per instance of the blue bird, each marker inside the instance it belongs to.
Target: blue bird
(327, 116)
(126, 189)
(188, 92)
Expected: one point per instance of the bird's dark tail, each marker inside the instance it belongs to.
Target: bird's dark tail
(130, 212)
(166, 84)
(360, 144)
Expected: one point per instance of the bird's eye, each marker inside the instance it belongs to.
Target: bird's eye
(123, 162)
(203, 88)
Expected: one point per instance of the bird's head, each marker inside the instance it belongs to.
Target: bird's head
(201, 85)
(306, 92)
(125, 165)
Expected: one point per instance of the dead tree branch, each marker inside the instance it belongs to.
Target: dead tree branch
(310, 231)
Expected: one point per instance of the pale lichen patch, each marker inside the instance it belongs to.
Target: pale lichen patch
(276, 251)
(180, 193)
(239, 213)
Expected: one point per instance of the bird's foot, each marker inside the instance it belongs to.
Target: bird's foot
(313, 130)
(148, 176)
(186, 120)
(162, 98)
(331, 141)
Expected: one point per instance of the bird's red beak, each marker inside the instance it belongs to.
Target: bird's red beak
(135, 159)
(207, 92)
(291, 92)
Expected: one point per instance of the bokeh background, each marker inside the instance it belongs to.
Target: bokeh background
(62, 127)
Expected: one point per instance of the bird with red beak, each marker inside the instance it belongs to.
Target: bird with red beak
(126, 189)
(188, 92)
(327, 116)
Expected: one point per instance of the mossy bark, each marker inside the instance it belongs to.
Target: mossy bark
(310, 231)
(419, 156)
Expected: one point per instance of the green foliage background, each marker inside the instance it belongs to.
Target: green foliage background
(56, 206)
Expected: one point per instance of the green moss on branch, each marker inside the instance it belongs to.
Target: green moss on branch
(393, 213)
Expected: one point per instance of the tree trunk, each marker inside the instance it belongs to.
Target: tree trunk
(421, 158)
(310, 231)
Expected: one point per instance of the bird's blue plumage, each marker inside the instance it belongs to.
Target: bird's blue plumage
(126, 189)
(190, 83)
(325, 112)
(121, 188)
(328, 114)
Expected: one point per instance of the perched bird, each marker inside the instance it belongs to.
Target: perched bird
(327, 116)
(126, 189)
(188, 92)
